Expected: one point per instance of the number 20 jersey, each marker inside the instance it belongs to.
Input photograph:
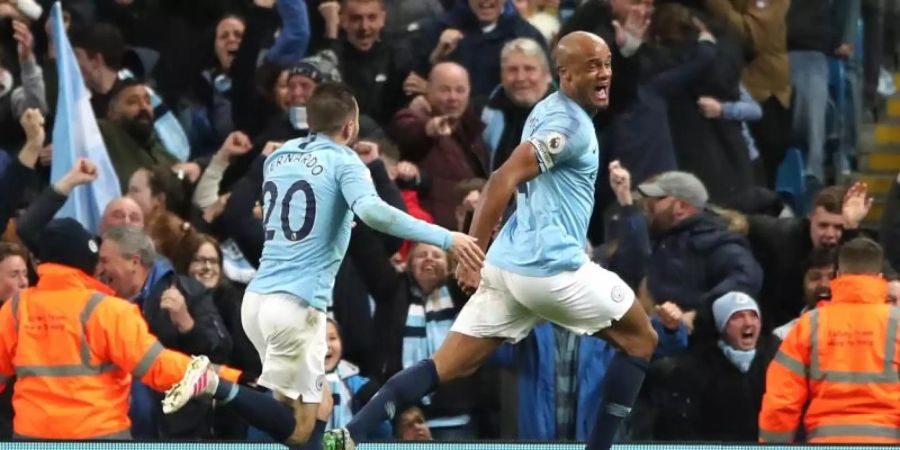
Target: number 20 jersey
(309, 187)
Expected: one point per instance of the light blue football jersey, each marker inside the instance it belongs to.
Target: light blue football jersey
(547, 233)
(310, 186)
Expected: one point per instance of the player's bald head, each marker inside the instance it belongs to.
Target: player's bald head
(585, 69)
(578, 45)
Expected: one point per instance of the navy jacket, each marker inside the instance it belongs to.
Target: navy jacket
(692, 264)
(478, 52)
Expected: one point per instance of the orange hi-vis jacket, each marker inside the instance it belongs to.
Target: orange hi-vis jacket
(73, 349)
(841, 360)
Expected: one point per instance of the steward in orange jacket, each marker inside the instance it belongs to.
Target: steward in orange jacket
(73, 349)
(840, 362)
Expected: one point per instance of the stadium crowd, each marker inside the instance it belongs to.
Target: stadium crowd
(707, 97)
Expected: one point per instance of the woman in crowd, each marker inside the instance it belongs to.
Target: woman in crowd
(200, 257)
(159, 190)
(415, 310)
(210, 110)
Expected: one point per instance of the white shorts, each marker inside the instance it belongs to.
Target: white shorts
(290, 338)
(508, 305)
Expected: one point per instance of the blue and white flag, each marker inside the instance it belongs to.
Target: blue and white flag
(76, 135)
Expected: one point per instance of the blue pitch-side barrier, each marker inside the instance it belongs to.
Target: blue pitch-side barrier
(416, 446)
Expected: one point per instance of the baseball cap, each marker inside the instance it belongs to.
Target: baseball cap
(66, 242)
(681, 185)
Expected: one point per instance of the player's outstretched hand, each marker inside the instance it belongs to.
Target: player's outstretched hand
(467, 251)
(468, 280)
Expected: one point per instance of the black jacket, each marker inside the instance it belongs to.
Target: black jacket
(376, 76)
(13, 183)
(251, 111)
(208, 337)
(513, 121)
(890, 226)
(702, 396)
(781, 245)
(393, 293)
(810, 27)
(648, 154)
(692, 264)
(713, 149)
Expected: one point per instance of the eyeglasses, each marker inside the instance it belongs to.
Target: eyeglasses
(205, 261)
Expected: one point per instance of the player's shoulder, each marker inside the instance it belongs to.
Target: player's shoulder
(557, 111)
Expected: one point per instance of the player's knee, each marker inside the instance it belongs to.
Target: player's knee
(449, 368)
(642, 345)
(460, 372)
(302, 432)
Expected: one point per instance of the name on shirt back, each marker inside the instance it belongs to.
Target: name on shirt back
(307, 160)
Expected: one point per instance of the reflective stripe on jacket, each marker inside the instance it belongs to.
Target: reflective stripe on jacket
(841, 359)
(73, 349)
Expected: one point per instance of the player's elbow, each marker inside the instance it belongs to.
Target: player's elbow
(374, 213)
(505, 179)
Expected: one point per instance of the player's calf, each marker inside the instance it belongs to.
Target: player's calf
(636, 340)
(304, 418)
(259, 409)
(638, 343)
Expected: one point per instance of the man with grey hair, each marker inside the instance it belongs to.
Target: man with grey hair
(178, 310)
(686, 255)
(524, 80)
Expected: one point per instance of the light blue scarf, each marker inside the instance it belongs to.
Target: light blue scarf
(342, 412)
(427, 325)
(740, 358)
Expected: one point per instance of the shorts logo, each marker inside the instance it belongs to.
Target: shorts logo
(618, 293)
(320, 383)
(390, 409)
